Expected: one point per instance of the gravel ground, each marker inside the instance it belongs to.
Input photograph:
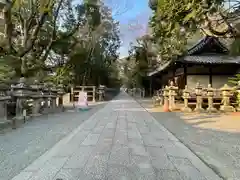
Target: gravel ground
(22, 146)
(219, 149)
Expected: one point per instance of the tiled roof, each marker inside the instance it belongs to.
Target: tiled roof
(212, 59)
(205, 58)
(160, 68)
(203, 42)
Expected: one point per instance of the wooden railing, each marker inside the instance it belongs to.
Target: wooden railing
(91, 92)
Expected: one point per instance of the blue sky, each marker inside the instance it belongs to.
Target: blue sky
(133, 16)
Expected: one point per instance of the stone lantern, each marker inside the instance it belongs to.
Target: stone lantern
(46, 95)
(101, 91)
(198, 92)
(60, 93)
(21, 92)
(37, 96)
(226, 94)
(53, 97)
(238, 96)
(210, 94)
(4, 98)
(166, 99)
(186, 96)
(3, 3)
(172, 94)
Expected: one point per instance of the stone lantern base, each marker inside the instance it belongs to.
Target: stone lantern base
(211, 110)
(227, 108)
(199, 110)
(186, 109)
(238, 109)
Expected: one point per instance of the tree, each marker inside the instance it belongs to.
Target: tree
(142, 57)
(32, 30)
(95, 47)
(71, 41)
(213, 17)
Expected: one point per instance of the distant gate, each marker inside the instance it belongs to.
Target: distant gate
(91, 92)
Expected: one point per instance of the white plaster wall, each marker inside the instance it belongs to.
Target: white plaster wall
(192, 80)
(219, 81)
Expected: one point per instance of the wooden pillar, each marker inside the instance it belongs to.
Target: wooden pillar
(94, 93)
(210, 76)
(185, 75)
(150, 86)
(72, 94)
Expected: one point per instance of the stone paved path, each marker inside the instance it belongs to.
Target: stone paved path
(121, 141)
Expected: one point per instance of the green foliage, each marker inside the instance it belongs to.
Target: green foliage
(137, 65)
(174, 22)
(234, 80)
(62, 75)
(76, 42)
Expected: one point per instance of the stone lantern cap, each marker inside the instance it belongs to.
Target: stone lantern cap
(198, 86)
(37, 88)
(46, 90)
(226, 88)
(172, 87)
(3, 93)
(3, 3)
(186, 90)
(60, 89)
(21, 89)
(210, 89)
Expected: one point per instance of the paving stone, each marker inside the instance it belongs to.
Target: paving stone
(91, 139)
(49, 170)
(186, 168)
(134, 135)
(103, 147)
(151, 141)
(107, 133)
(68, 174)
(73, 145)
(141, 164)
(121, 137)
(163, 174)
(119, 155)
(79, 159)
(173, 149)
(111, 125)
(138, 149)
(119, 172)
(162, 162)
(98, 129)
(96, 166)
(23, 175)
(135, 141)
(143, 130)
(155, 151)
